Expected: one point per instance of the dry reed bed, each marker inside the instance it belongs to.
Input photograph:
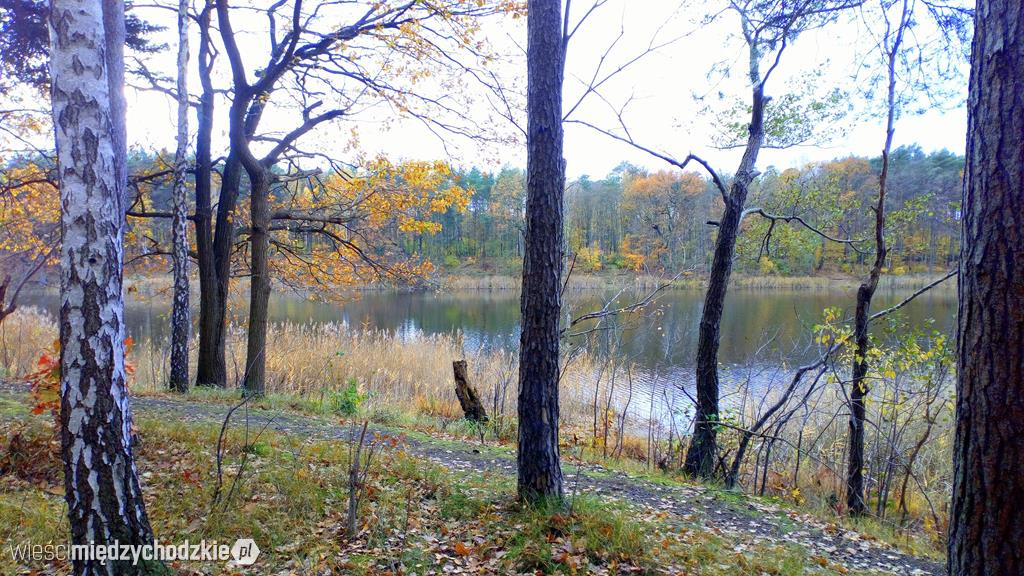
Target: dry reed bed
(312, 360)
(803, 459)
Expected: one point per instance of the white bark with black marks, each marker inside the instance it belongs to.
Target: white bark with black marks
(101, 483)
(181, 317)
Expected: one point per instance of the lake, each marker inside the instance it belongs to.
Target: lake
(765, 333)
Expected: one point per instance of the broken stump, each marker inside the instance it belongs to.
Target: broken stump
(468, 398)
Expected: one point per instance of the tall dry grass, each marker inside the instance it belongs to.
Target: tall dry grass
(395, 374)
(24, 335)
(604, 413)
(311, 361)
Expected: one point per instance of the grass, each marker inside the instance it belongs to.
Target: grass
(417, 517)
(408, 385)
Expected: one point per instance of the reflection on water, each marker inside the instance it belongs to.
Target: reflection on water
(763, 333)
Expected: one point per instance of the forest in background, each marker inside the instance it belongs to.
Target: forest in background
(657, 222)
(273, 211)
(632, 220)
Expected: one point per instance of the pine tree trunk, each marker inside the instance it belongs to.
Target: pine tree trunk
(540, 474)
(987, 524)
(181, 316)
(102, 488)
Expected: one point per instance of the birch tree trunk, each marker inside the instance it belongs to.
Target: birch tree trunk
(987, 524)
(101, 483)
(181, 317)
(540, 474)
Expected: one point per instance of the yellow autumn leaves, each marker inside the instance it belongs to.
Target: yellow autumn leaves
(29, 212)
(409, 193)
(353, 228)
(344, 220)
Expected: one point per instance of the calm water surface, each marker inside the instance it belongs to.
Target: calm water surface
(764, 332)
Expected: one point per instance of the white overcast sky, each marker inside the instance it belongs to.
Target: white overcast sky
(663, 90)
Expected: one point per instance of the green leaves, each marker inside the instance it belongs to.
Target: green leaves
(804, 116)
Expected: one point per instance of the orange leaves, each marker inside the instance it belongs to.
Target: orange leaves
(662, 208)
(634, 260)
(382, 193)
(409, 193)
(664, 186)
(192, 477)
(129, 367)
(571, 557)
(45, 381)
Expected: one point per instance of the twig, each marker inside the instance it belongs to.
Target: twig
(908, 299)
(220, 450)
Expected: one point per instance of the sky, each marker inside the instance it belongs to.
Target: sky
(670, 98)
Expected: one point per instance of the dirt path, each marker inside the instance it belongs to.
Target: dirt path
(742, 518)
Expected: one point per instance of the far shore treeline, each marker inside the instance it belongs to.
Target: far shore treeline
(648, 222)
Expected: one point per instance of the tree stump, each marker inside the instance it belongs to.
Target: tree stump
(468, 398)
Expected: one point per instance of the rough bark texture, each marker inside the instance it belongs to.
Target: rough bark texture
(246, 110)
(259, 281)
(468, 398)
(223, 241)
(858, 392)
(214, 244)
(101, 483)
(859, 388)
(181, 315)
(215, 273)
(701, 455)
(210, 367)
(540, 474)
(987, 525)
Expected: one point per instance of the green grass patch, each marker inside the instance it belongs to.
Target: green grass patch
(290, 495)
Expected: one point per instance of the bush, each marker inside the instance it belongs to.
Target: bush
(589, 259)
(347, 400)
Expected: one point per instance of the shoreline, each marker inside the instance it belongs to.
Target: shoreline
(149, 286)
(585, 282)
